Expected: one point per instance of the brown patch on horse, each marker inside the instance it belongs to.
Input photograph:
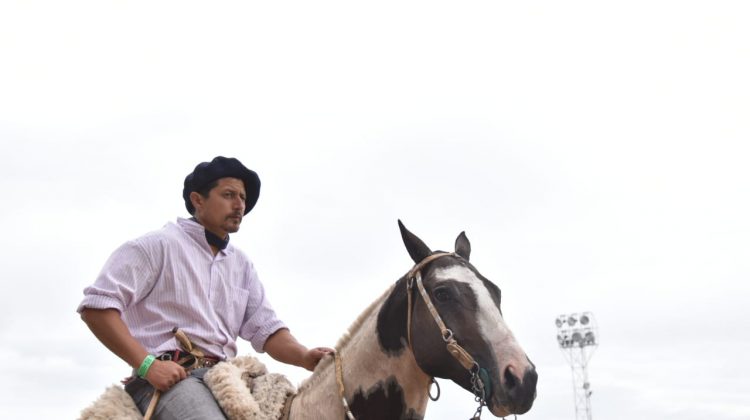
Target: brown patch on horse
(384, 400)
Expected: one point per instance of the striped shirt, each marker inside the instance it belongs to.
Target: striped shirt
(170, 278)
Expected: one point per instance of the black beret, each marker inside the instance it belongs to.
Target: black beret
(222, 167)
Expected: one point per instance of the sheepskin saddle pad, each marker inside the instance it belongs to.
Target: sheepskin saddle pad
(242, 386)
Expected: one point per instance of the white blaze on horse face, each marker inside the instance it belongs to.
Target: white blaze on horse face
(508, 352)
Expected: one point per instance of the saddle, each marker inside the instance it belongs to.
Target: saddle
(242, 386)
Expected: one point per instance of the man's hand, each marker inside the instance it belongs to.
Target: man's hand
(283, 347)
(163, 374)
(313, 356)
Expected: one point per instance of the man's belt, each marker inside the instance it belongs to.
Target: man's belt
(189, 361)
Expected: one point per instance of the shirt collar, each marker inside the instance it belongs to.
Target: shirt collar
(197, 232)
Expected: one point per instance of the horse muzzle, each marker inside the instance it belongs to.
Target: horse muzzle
(516, 394)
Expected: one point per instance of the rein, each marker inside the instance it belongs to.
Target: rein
(340, 381)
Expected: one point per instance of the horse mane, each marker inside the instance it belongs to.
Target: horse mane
(343, 341)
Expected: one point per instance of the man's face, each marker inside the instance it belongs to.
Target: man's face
(221, 212)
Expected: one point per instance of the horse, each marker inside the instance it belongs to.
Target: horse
(440, 320)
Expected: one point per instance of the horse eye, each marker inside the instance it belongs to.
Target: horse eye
(442, 295)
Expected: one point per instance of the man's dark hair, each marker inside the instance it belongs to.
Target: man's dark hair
(206, 190)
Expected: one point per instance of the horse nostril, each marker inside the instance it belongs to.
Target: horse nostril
(520, 390)
(511, 381)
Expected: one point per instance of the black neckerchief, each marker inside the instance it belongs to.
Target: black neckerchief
(212, 238)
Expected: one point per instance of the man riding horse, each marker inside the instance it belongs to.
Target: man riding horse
(188, 276)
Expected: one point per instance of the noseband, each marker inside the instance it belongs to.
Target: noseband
(480, 380)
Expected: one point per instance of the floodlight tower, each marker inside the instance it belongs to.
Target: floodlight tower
(578, 337)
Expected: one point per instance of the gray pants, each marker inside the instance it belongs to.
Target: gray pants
(188, 399)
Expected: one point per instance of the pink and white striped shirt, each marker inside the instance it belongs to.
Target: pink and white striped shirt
(170, 278)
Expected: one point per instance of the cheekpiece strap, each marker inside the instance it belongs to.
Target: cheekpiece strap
(415, 277)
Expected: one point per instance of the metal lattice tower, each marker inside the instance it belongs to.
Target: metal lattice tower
(578, 337)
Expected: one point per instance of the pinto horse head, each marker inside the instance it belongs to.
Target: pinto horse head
(469, 305)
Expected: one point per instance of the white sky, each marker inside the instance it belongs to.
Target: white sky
(594, 152)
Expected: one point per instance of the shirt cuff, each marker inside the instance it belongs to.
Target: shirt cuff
(100, 302)
(258, 340)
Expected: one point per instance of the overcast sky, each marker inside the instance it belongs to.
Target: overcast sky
(595, 153)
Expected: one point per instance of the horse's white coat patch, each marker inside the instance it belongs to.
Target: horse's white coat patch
(490, 321)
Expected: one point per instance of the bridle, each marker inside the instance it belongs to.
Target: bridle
(480, 380)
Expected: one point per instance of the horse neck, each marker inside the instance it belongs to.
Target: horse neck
(374, 381)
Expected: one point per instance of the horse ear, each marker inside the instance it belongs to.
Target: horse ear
(417, 249)
(463, 247)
